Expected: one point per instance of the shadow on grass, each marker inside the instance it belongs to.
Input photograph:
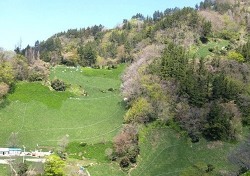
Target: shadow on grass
(4, 103)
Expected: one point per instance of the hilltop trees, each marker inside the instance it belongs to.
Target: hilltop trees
(50, 50)
(203, 98)
(87, 54)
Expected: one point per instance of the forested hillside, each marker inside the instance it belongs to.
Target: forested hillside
(187, 83)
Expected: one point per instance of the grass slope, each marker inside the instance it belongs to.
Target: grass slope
(41, 116)
(164, 152)
(4, 170)
(202, 51)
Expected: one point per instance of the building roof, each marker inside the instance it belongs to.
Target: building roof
(4, 149)
(15, 149)
(9, 149)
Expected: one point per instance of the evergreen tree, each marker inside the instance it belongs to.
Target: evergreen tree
(87, 54)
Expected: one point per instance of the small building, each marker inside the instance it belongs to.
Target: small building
(10, 151)
(15, 151)
(4, 151)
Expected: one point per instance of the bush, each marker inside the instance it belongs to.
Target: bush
(228, 35)
(235, 56)
(58, 85)
(4, 88)
(83, 144)
(124, 162)
(54, 166)
(140, 111)
(35, 76)
(211, 49)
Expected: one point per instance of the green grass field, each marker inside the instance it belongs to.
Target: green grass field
(164, 152)
(202, 51)
(41, 116)
(4, 170)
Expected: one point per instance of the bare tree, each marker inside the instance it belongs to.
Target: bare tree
(63, 142)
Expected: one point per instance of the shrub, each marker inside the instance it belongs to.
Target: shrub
(58, 85)
(126, 143)
(54, 166)
(4, 88)
(140, 111)
(22, 169)
(228, 35)
(83, 144)
(110, 154)
(35, 76)
(235, 56)
(223, 122)
(124, 162)
(211, 49)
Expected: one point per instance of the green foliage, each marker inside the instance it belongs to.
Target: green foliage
(184, 15)
(87, 54)
(139, 112)
(58, 85)
(218, 125)
(34, 75)
(20, 67)
(245, 50)
(228, 35)
(225, 88)
(243, 103)
(6, 73)
(223, 122)
(124, 162)
(196, 84)
(50, 49)
(235, 56)
(206, 28)
(246, 174)
(111, 50)
(174, 62)
(117, 37)
(54, 166)
(22, 169)
(199, 87)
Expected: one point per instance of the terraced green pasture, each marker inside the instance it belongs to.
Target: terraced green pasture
(42, 116)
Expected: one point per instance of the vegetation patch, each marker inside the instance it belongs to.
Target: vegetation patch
(165, 152)
(80, 150)
(43, 117)
(211, 47)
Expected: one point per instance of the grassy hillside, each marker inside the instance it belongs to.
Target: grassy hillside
(165, 152)
(41, 116)
(4, 170)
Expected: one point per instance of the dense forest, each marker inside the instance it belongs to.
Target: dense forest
(170, 80)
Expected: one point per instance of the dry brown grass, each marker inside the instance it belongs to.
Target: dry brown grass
(214, 144)
(216, 19)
